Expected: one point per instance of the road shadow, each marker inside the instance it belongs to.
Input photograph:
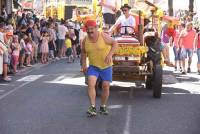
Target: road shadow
(186, 78)
(170, 77)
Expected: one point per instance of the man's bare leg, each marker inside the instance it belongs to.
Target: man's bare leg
(104, 97)
(189, 64)
(91, 89)
(183, 65)
(105, 93)
(92, 95)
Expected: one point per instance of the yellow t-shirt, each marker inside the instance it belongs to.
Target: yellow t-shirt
(97, 52)
(68, 43)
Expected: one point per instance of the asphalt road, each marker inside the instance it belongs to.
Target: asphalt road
(52, 99)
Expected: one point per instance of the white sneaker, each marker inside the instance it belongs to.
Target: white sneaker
(29, 65)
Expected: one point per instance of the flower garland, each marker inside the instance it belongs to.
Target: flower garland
(129, 50)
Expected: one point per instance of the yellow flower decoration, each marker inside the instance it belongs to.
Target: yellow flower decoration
(130, 50)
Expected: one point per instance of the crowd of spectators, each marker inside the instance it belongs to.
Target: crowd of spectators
(185, 40)
(26, 40)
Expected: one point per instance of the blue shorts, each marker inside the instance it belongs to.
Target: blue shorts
(177, 54)
(186, 53)
(102, 74)
(198, 55)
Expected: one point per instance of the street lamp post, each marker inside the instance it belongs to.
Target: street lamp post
(191, 6)
(170, 7)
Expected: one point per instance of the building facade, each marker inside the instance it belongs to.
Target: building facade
(7, 4)
(2, 5)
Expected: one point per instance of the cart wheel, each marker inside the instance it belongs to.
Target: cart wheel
(157, 81)
(148, 83)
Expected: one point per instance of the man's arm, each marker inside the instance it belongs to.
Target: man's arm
(83, 57)
(114, 47)
(195, 41)
(117, 23)
(111, 41)
(1, 49)
(66, 30)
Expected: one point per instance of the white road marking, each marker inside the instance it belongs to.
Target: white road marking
(30, 78)
(131, 93)
(2, 91)
(177, 93)
(4, 84)
(123, 84)
(59, 78)
(15, 89)
(128, 114)
(27, 80)
(115, 106)
(187, 87)
(128, 121)
(69, 81)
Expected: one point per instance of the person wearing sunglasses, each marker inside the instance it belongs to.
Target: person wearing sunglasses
(126, 19)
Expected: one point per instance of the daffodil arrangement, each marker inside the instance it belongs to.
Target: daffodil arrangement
(130, 50)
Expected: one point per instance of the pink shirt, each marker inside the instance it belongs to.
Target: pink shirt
(188, 39)
(177, 34)
(28, 48)
(16, 49)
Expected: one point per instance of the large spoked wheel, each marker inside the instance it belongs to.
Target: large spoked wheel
(126, 30)
(149, 78)
(157, 81)
(148, 82)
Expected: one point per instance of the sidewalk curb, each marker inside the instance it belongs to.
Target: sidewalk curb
(37, 65)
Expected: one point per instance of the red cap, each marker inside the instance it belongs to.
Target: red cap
(84, 29)
(91, 23)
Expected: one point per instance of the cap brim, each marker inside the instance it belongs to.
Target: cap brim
(125, 7)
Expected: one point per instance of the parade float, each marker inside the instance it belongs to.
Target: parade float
(138, 58)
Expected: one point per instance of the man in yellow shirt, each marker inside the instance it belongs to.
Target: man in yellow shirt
(99, 48)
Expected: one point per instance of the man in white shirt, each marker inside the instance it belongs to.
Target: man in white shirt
(1, 53)
(109, 8)
(5, 53)
(125, 20)
(62, 30)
